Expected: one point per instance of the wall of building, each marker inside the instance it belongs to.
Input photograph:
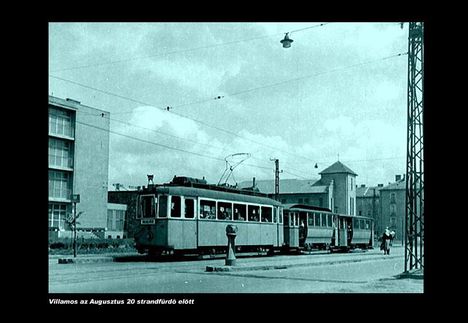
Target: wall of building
(393, 211)
(91, 166)
(116, 215)
(343, 189)
(316, 199)
(130, 199)
(89, 160)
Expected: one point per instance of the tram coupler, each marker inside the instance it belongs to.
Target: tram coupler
(231, 232)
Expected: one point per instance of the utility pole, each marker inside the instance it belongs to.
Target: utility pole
(277, 179)
(414, 216)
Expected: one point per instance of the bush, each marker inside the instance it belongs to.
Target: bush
(65, 245)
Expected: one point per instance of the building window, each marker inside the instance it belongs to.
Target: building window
(393, 210)
(60, 153)
(110, 220)
(352, 184)
(392, 198)
(119, 220)
(393, 222)
(60, 122)
(351, 206)
(59, 184)
(58, 213)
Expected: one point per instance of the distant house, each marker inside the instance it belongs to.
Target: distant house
(130, 200)
(368, 202)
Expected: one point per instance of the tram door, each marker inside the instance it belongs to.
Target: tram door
(342, 232)
(302, 228)
(291, 229)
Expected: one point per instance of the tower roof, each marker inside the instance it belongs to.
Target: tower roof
(337, 167)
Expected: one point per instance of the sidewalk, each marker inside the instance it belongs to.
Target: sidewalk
(307, 260)
(90, 258)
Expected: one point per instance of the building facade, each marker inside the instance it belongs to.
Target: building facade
(368, 202)
(130, 200)
(393, 207)
(78, 139)
(116, 218)
(334, 190)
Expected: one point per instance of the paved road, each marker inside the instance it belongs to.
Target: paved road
(368, 272)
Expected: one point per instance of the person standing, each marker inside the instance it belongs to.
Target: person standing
(386, 238)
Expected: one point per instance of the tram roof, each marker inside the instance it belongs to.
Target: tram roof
(305, 207)
(211, 193)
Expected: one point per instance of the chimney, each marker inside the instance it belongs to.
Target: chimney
(253, 182)
(150, 179)
(397, 178)
(380, 185)
(363, 185)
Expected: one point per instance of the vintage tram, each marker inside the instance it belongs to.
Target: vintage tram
(188, 215)
(309, 227)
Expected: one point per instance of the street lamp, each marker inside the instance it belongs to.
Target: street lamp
(286, 41)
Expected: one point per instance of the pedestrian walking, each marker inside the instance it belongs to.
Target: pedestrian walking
(392, 237)
(386, 238)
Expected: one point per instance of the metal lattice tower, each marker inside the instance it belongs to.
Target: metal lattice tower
(414, 226)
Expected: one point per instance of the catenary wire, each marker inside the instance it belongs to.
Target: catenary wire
(236, 93)
(180, 51)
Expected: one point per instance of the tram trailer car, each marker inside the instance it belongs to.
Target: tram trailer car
(188, 216)
(310, 227)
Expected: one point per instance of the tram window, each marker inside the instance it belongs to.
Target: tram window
(207, 209)
(224, 211)
(357, 224)
(175, 206)
(148, 206)
(285, 218)
(254, 212)
(362, 224)
(327, 216)
(317, 219)
(367, 224)
(310, 219)
(239, 212)
(162, 206)
(189, 208)
(323, 219)
(275, 214)
(280, 215)
(266, 214)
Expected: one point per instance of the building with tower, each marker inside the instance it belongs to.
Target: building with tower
(334, 190)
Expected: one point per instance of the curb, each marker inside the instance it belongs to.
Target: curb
(273, 267)
(84, 260)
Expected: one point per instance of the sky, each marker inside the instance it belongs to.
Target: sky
(338, 93)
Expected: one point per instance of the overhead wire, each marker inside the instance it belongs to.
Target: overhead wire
(232, 94)
(180, 51)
